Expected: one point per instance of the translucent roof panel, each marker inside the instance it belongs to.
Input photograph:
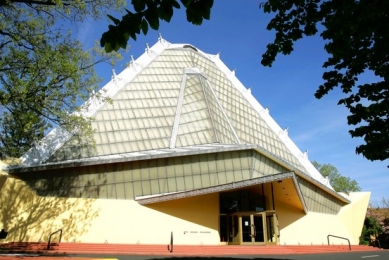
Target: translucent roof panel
(245, 119)
(195, 125)
(163, 103)
(222, 125)
(140, 116)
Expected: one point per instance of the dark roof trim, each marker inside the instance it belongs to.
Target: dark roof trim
(144, 200)
(139, 156)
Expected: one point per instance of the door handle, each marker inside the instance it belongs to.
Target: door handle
(255, 231)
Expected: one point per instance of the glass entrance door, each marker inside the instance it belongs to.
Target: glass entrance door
(252, 228)
(258, 224)
(272, 228)
(247, 229)
(233, 230)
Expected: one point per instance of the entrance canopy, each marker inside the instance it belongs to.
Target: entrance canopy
(294, 191)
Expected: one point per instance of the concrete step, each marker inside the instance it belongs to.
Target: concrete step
(137, 249)
(24, 246)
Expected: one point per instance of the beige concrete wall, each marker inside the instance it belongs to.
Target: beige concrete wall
(193, 221)
(28, 217)
(313, 228)
(353, 215)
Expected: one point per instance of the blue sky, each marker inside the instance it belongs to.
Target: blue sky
(237, 30)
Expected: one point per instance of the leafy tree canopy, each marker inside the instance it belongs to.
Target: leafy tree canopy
(147, 13)
(355, 35)
(371, 229)
(44, 70)
(339, 182)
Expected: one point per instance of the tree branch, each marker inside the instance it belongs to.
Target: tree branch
(28, 2)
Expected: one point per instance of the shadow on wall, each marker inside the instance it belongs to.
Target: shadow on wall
(28, 217)
(202, 210)
(287, 214)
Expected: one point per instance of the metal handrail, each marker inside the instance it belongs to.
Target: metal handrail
(328, 240)
(60, 237)
(170, 246)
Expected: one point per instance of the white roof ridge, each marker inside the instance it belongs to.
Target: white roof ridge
(128, 74)
(50, 143)
(42, 150)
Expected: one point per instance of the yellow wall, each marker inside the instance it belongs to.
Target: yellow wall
(193, 221)
(313, 228)
(28, 217)
(353, 215)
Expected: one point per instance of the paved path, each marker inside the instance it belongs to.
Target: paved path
(379, 255)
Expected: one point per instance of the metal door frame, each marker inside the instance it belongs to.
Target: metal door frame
(235, 228)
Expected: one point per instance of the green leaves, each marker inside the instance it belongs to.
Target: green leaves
(45, 73)
(118, 35)
(354, 33)
(148, 13)
(293, 20)
(144, 26)
(152, 17)
(198, 10)
(165, 11)
(19, 128)
(371, 227)
(370, 119)
(339, 182)
(139, 5)
(113, 19)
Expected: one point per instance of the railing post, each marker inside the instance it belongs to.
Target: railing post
(171, 242)
(60, 237)
(328, 240)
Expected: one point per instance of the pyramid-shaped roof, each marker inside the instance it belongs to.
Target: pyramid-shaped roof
(173, 99)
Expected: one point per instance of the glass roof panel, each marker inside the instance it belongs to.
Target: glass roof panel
(144, 110)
